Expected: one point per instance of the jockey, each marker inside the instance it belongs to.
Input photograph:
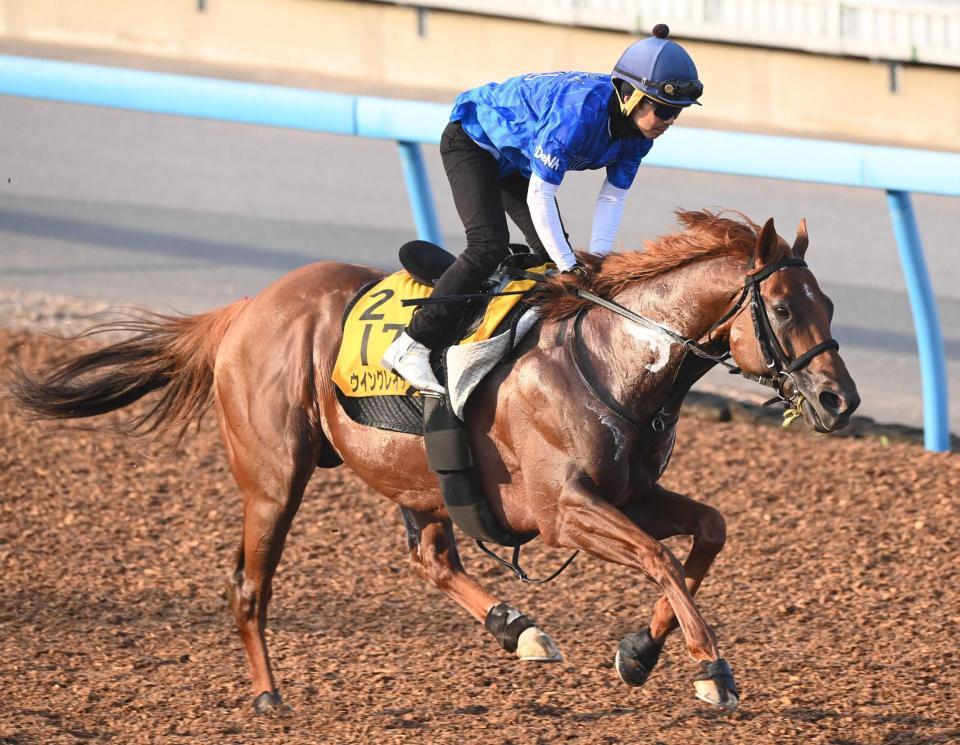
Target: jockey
(506, 149)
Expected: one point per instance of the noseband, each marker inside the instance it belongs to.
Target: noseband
(781, 366)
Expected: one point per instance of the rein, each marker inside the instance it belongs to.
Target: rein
(773, 354)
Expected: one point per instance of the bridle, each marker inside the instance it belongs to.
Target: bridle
(780, 365)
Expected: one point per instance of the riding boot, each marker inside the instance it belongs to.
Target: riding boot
(410, 360)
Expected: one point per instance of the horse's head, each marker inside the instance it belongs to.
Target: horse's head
(783, 330)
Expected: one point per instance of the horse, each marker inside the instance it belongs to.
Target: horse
(570, 434)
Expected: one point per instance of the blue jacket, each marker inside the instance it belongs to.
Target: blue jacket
(551, 123)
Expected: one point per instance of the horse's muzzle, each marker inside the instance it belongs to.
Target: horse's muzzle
(829, 406)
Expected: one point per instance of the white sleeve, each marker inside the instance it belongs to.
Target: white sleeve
(542, 201)
(606, 218)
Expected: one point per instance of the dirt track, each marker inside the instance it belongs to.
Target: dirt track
(836, 601)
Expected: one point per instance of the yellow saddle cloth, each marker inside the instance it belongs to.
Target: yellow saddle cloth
(378, 317)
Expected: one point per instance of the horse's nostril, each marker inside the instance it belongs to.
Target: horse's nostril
(831, 402)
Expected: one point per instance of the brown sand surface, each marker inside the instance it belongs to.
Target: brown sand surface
(836, 601)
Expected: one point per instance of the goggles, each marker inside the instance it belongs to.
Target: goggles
(686, 91)
(681, 92)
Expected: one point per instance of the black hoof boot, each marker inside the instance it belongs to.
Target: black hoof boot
(715, 685)
(637, 655)
(268, 702)
(506, 624)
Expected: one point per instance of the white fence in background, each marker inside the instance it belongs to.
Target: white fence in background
(924, 31)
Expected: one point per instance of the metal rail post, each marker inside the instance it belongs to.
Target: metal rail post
(933, 371)
(418, 189)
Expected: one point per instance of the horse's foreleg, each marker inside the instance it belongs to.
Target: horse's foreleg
(663, 514)
(588, 522)
(434, 557)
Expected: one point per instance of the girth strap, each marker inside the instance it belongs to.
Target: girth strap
(449, 456)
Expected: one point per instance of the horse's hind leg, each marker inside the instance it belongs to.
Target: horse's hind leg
(272, 471)
(434, 556)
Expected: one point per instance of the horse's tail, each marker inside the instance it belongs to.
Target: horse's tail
(170, 352)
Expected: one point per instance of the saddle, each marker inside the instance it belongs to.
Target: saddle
(491, 323)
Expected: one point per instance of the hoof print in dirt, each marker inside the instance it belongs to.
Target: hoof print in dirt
(715, 685)
(637, 655)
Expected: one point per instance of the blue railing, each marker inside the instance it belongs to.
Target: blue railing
(898, 171)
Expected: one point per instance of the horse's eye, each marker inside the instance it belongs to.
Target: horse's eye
(781, 310)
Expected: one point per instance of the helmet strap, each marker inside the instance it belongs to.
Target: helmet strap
(632, 102)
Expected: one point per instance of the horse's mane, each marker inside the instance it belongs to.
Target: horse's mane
(705, 235)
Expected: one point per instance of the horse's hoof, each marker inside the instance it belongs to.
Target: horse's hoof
(715, 685)
(518, 634)
(268, 702)
(535, 646)
(637, 655)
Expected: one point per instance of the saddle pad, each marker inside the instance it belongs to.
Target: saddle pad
(378, 317)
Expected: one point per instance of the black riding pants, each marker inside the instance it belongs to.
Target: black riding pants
(482, 200)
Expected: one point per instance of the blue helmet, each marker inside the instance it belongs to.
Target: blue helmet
(659, 69)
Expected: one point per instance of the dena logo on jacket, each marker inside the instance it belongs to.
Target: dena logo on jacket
(550, 161)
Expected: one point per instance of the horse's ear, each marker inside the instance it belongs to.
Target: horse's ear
(803, 240)
(766, 243)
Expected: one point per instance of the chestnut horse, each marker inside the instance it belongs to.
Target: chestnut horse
(570, 434)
